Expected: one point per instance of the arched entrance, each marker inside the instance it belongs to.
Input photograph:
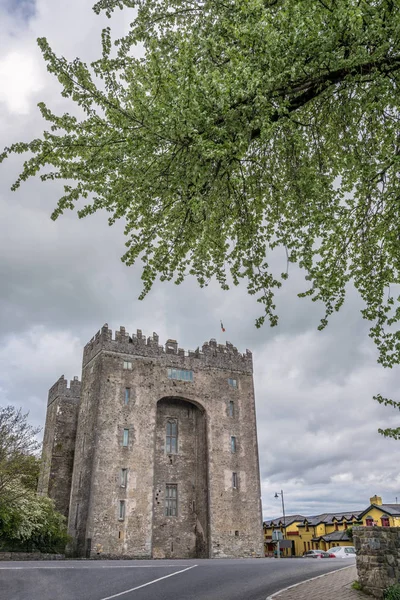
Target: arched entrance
(180, 515)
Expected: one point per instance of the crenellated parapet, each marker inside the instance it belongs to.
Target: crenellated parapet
(211, 354)
(61, 388)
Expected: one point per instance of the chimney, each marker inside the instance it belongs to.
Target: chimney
(376, 500)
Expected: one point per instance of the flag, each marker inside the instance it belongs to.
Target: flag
(222, 327)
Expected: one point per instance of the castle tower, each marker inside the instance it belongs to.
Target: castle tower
(166, 459)
(59, 442)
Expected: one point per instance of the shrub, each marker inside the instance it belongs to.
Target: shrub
(392, 592)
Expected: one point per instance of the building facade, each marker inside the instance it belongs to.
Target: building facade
(165, 454)
(324, 531)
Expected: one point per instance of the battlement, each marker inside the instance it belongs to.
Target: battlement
(61, 388)
(211, 354)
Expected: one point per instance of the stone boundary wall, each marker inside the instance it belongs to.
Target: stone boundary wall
(378, 558)
(30, 556)
(211, 354)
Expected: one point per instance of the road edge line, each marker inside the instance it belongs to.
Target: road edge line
(138, 587)
(289, 587)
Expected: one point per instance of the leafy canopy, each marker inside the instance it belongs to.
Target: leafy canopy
(244, 125)
(19, 465)
(27, 521)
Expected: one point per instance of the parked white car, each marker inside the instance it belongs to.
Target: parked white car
(343, 551)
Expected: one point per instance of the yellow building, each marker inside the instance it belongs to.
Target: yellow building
(328, 529)
(381, 515)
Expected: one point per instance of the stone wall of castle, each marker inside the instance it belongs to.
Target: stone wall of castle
(131, 385)
(59, 442)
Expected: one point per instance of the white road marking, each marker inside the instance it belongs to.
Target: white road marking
(97, 567)
(148, 583)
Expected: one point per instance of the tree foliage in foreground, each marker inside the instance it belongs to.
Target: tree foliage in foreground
(245, 126)
(27, 521)
(19, 465)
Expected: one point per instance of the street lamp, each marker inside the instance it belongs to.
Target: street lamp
(283, 508)
(278, 555)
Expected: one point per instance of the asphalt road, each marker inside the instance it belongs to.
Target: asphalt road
(241, 579)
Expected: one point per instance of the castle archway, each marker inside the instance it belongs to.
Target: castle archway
(180, 515)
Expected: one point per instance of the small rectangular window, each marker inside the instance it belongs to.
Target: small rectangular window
(127, 364)
(171, 500)
(123, 477)
(234, 481)
(232, 382)
(171, 438)
(127, 395)
(233, 444)
(231, 408)
(121, 515)
(180, 374)
(125, 439)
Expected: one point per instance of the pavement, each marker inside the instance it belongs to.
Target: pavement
(330, 586)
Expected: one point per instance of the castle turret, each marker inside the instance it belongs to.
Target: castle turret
(59, 442)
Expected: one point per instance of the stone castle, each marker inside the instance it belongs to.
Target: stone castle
(154, 454)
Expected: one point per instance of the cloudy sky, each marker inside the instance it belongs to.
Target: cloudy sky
(59, 282)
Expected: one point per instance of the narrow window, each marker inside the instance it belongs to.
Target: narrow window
(77, 516)
(232, 382)
(236, 533)
(233, 444)
(171, 498)
(336, 526)
(127, 395)
(125, 439)
(369, 521)
(385, 522)
(127, 365)
(234, 481)
(121, 515)
(123, 477)
(231, 408)
(171, 439)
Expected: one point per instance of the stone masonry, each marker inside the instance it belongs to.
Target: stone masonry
(166, 458)
(59, 442)
(378, 558)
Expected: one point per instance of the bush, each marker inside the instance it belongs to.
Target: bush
(392, 592)
(32, 524)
